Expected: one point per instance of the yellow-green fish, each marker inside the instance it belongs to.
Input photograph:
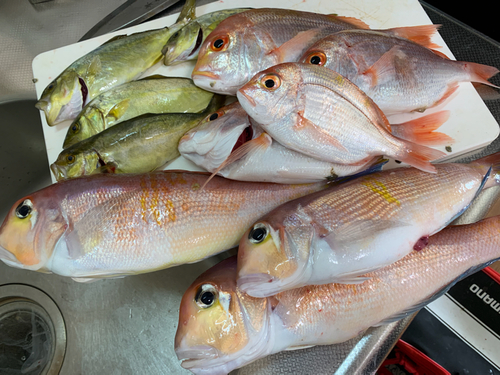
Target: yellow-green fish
(185, 44)
(138, 145)
(121, 59)
(155, 94)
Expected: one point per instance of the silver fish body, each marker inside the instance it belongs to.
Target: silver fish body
(222, 328)
(213, 141)
(398, 74)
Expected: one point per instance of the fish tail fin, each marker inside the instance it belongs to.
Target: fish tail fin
(419, 34)
(481, 73)
(261, 142)
(491, 161)
(215, 104)
(419, 156)
(188, 12)
(422, 130)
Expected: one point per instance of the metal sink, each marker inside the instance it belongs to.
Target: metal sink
(117, 326)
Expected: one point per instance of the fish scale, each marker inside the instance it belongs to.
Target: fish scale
(398, 74)
(321, 314)
(338, 234)
(108, 225)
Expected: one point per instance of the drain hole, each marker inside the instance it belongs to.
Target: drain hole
(26, 338)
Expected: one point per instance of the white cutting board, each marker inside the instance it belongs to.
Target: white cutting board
(471, 124)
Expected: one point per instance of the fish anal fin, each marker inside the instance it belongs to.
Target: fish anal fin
(258, 144)
(316, 132)
(449, 92)
(422, 130)
(292, 49)
(419, 156)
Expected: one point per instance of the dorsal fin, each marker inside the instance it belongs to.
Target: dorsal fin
(353, 21)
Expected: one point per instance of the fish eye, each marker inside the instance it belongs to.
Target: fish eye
(219, 43)
(206, 296)
(271, 81)
(316, 58)
(51, 86)
(75, 128)
(258, 233)
(70, 159)
(215, 115)
(24, 209)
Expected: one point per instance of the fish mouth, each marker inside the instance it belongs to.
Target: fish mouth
(196, 355)
(249, 98)
(208, 74)
(9, 258)
(259, 285)
(59, 173)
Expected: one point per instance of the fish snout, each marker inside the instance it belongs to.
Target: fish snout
(246, 95)
(59, 173)
(192, 357)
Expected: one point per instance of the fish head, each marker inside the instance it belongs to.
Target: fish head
(91, 121)
(273, 254)
(184, 44)
(230, 56)
(272, 94)
(63, 98)
(333, 53)
(75, 161)
(213, 140)
(30, 232)
(220, 328)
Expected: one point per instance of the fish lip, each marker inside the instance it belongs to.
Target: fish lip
(258, 285)
(249, 98)
(59, 173)
(6, 255)
(193, 356)
(205, 74)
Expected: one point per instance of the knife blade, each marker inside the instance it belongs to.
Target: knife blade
(131, 13)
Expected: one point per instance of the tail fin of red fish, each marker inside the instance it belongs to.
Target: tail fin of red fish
(419, 34)
(422, 130)
(419, 156)
(481, 73)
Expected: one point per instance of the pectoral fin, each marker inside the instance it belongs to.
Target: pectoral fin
(117, 111)
(315, 132)
(93, 70)
(384, 69)
(292, 49)
(259, 144)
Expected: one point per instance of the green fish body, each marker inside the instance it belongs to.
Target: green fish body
(185, 44)
(121, 59)
(154, 94)
(139, 145)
